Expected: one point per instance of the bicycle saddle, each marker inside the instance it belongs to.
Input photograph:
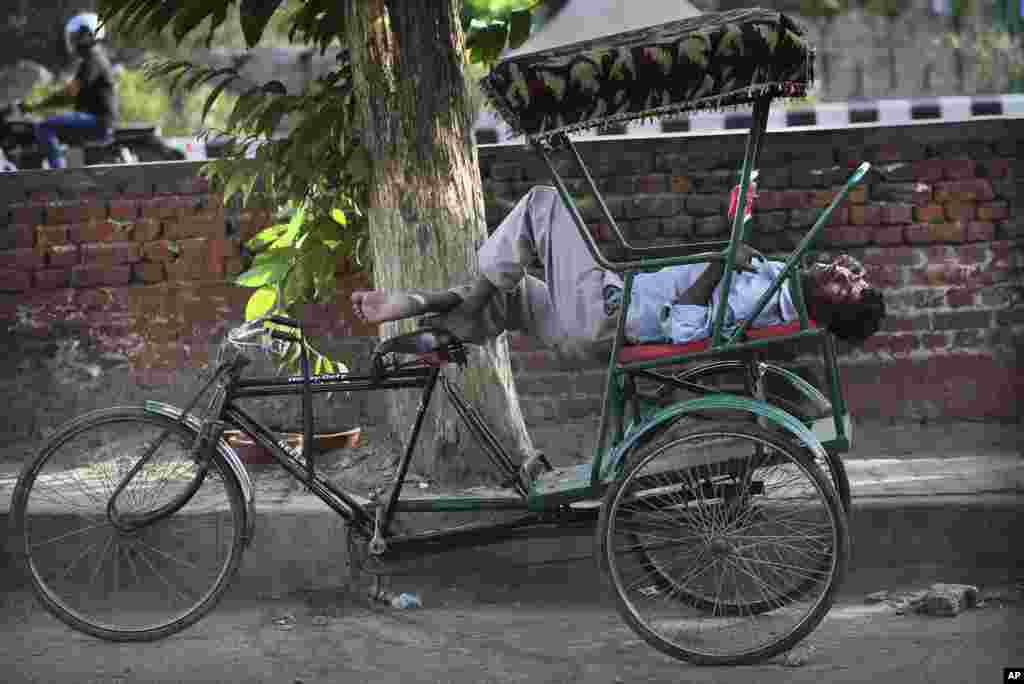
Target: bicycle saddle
(437, 341)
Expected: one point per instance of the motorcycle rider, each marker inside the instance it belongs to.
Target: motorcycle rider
(92, 91)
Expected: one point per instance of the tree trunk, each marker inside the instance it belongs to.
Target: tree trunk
(426, 210)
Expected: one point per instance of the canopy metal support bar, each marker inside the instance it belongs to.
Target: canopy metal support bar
(642, 264)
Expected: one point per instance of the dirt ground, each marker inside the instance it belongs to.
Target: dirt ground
(328, 637)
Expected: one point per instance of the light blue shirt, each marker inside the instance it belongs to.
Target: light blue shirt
(653, 318)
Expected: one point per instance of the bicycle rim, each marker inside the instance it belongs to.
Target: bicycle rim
(135, 581)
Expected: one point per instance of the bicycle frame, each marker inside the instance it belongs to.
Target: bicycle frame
(367, 516)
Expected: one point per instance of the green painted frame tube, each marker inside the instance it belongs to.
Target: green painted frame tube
(794, 259)
(757, 129)
(613, 399)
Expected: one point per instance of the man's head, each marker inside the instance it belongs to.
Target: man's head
(842, 300)
(82, 32)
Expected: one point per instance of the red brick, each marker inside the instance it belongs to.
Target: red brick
(96, 231)
(62, 255)
(897, 213)
(51, 279)
(943, 274)
(149, 271)
(994, 168)
(859, 195)
(958, 168)
(865, 214)
(993, 211)
(935, 341)
(930, 213)
(652, 183)
(887, 235)
(905, 324)
(186, 269)
(30, 213)
(922, 195)
(893, 344)
(980, 231)
(820, 198)
(795, 199)
(219, 251)
(21, 259)
(839, 217)
(124, 209)
(961, 211)
(160, 250)
(20, 236)
(842, 236)
(168, 206)
(51, 235)
(233, 266)
(190, 227)
(964, 190)
(14, 281)
(924, 233)
(193, 248)
(887, 153)
(146, 230)
(928, 170)
(886, 276)
(110, 253)
(75, 212)
(95, 275)
(961, 296)
(680, 184)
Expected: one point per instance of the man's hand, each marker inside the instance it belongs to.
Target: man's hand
(745, 258)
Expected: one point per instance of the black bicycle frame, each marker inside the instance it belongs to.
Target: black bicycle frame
(364, 515)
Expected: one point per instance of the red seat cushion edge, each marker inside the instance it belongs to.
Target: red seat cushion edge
(650, 352)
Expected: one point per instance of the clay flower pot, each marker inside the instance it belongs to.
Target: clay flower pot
(252, 453)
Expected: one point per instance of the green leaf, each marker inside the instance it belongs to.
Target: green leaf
(187, 18)
(486, 41)
(519, 27)
(339, 217)
(215, 93)
(266, 236)
(255, 15)
(244, 107)
(263, 273)
(261, 301)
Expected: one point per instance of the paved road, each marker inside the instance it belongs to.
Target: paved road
(463, 642)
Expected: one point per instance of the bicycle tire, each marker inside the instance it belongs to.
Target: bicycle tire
(613, 525)
(138, 553)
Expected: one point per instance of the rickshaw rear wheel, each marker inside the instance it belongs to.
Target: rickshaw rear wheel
(728, 377)
(720, 575)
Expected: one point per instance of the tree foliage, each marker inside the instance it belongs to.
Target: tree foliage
(299, 147)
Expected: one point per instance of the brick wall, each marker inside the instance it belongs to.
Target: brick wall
(938, 222)
(113, 280)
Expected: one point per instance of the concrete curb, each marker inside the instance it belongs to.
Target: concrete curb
(917, 520)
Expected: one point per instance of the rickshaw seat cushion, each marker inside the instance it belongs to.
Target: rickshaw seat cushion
(652, 352)
(422, 341)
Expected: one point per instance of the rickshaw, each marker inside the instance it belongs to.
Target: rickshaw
(720, 520)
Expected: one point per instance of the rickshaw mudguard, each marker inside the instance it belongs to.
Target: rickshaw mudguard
(774, 415)
(234, 462)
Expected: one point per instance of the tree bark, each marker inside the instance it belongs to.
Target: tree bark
(426, 210)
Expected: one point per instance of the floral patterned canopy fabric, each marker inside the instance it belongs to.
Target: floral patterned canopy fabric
(707, 62)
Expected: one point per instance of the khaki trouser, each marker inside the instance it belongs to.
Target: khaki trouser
(566, 311)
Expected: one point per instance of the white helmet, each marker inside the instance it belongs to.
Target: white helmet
(82, 31)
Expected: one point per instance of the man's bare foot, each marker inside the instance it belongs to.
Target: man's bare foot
(378, 306)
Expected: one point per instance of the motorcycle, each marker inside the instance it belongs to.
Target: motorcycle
(131, 143)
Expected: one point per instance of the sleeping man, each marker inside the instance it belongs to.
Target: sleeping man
(573, 310)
